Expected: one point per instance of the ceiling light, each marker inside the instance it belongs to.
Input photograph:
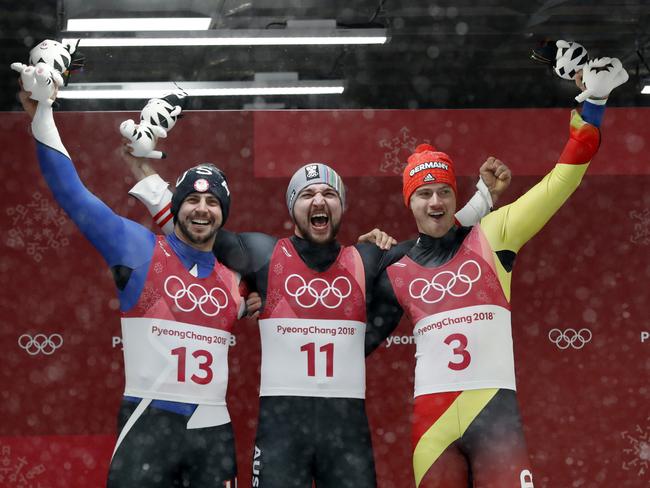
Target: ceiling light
(645, 86)
(146, 90)
(139, 24)
(231, 37)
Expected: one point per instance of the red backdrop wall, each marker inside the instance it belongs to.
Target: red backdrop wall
(585, 409)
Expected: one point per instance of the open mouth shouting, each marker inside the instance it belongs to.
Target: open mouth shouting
(319, 221)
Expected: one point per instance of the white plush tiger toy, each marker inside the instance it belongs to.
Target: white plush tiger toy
(570, 58)
(143, 138)
(50, 65)
(164, 112)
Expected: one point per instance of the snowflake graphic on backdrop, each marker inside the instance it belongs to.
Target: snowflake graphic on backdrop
(149, 297)
(638, 452)
(398, 149)
(273, 297)
(17, 471)
(36, 227)
(641, 227)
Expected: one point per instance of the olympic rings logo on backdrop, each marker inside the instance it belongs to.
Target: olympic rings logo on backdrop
(457, 284)
(40, 343)
(188, 298)
(563, 339)
(318, 290)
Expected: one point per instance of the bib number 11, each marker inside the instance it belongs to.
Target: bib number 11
(328, 349)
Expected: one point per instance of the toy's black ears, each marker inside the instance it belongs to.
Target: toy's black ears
(77, 61)
(545, 53)
(177, 98)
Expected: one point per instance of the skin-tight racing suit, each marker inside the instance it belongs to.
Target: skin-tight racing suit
(174, 426)
(455, 291)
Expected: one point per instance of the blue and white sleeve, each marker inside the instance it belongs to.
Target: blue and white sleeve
(119, 240)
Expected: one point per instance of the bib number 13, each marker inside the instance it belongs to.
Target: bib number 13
(204, 361)
(462, 356)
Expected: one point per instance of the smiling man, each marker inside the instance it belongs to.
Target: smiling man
(454, 287)
(196, 205)
(178, 307)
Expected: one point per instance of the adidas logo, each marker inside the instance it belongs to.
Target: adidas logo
(429, 177)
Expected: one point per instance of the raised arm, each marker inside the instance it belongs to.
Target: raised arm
(102, 227)
(153, 192)
(125, 245)
(510, 227)
(477, 207)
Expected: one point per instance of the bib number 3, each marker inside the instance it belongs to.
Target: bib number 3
(461, 354)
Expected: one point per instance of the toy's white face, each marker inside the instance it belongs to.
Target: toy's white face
(52, 53)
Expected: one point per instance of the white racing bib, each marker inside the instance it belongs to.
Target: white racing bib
(318, 358)
(174, 361)
(464, 349)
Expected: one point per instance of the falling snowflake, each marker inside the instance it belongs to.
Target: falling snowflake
(397, 151)
(483, 296)
(638, 451)
(149, 297)
(641, 228)
(16, 471)
(272, 299)
(493, 282)
(37, 227)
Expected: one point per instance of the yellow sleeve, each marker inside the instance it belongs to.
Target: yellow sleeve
(510, 227)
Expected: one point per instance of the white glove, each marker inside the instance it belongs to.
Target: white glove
(41, 80)
(600, 76)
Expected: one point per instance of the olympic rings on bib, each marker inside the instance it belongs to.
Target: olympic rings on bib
(457, 284)
(564, 339)
(187, 298)
(307, 295)
(40, 343)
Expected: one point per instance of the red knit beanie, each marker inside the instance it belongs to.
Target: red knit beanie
(424, 166)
